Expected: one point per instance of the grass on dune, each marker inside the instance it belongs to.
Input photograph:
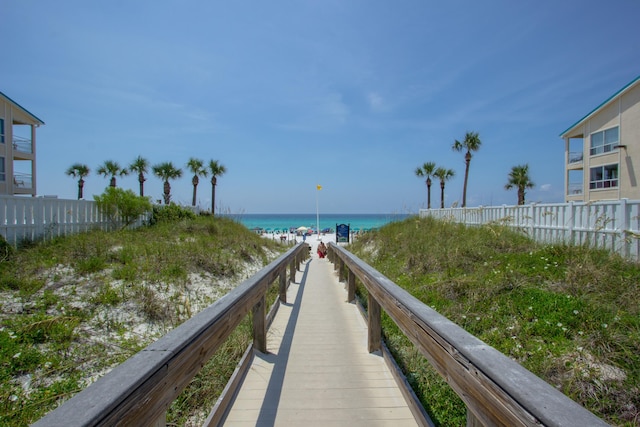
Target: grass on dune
(75, 307)
(568, 314)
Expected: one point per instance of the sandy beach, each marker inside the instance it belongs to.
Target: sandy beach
(313, 240)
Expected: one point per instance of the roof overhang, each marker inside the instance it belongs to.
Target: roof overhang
(33, 119)
(608, 101)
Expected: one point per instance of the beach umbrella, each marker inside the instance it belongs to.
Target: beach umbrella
(303, 228)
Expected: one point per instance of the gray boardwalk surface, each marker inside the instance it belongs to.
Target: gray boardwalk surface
(317, 371)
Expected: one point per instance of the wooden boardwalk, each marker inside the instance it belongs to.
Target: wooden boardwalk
(317, 371)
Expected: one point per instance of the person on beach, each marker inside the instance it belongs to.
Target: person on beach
(322, 250)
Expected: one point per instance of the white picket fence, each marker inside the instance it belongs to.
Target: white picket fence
(612, 225)
(38, 218)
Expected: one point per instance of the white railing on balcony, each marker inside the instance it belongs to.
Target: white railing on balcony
(612, 225)
(22, 145)
(22, 180)
(575, 156)
(575, 189)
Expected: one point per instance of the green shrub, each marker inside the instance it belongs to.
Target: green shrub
(91, 265)
(122, 205)
(170, 213)
(107, 296)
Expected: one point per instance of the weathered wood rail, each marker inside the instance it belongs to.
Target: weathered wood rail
(495, 389)
(139, 391)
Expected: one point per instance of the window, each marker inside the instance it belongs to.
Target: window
(604, 177)
(2, 130)
(2, 173)
(604, 141)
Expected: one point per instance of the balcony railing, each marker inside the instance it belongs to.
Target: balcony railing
(574, 189)
(23, 145)
(575, 156)
(22, 180)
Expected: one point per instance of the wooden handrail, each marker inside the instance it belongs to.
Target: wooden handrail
(496, 389)
(140, 390)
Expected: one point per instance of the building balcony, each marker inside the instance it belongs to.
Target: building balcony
(575, 157)
(22, 148)
(575, 189)
(22, 181)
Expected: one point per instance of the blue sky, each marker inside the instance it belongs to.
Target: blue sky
(352, 95)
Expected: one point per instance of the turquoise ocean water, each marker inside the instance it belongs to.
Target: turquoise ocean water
(272, 222)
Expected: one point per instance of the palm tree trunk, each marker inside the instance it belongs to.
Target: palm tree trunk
(113, 182)
(213, 195)
(442, 195)
(467, 159)
(80, 187)
(428, 193)
(520, 196)
(141, 181)
(195, 182)
(167, 192)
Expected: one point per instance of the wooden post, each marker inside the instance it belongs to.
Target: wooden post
(351, 287)
(341, 271)
(260, 325)
(283, 286)
(292, 271)
(375, 324)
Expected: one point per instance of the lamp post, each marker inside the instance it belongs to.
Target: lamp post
(318, 188)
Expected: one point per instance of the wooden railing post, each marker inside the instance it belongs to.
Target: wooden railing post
(375, 324)
(283, 286)
(260, 325)
(341, 270)
(351, 287)
(292, 271)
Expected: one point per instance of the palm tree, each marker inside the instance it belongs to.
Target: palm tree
(78, 170)
(519, 178)
(216, 169)
(141, 166)
(470, 143)
(166, 171)
(111, 168)
(196, 166)
(443, 175)
(427, 170)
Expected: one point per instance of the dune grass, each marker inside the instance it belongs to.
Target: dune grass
(568, 314)
(74, 308)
